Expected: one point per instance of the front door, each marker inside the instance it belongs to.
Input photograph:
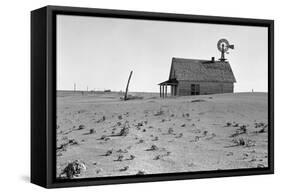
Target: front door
(195, 89)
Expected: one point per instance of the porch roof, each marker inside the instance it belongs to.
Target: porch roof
(169, 82)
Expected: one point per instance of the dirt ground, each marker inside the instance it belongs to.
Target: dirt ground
(152, 135)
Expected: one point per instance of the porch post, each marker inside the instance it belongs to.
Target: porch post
(165, 90)
(160, 90)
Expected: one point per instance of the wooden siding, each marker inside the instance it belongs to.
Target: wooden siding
(184, 87)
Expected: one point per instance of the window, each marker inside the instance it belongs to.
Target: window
(195, 89)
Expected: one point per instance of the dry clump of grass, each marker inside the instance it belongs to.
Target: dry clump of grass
(171, 131)
(98, 171)
(183, 125)
(185, 115)
(81, 127)
(107, 138)
(159, 113)
(131, 157)
(213, 135)
(264, 129)
(228, 124)
(263, 126)
(122, 151)
(243, 142)
(124, 169)
(205, 133)
(155, 138)
(141, 172)
(260, 166)
(198, 100)
(260, 124)
(229, 154)
(240, 131)
(140, 124)
(102, 119)
(158, 157)
(152, 148)
(119, 159)
(108, 153)
(232, 124)
(179, 135)
(73, 169)
(67, 142)
(140, 141)
(81, 111)
(92, 131)
(103, 137)
(196, 138)
(72, 142)
(124, 131)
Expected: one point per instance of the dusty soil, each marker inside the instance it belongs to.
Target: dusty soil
(153, 135)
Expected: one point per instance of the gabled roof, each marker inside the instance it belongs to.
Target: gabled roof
(201, 70)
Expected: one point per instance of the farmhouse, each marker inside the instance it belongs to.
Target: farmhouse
(198, 77)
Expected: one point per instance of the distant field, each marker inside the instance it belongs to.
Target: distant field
(153, 135)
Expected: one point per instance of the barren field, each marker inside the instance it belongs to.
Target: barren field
(110, 137)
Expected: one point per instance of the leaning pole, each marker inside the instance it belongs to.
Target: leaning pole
(126, 93)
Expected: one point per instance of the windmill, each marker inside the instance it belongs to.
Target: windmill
(223, 46)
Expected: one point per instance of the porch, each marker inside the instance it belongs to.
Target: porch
(173, 83)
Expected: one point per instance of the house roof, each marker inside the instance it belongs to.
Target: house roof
(201, 70)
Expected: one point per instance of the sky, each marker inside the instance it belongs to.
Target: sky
(99, 53)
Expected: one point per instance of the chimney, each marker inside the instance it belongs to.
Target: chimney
(213, 59)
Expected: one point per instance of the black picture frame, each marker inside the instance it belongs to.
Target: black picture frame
(43, 95)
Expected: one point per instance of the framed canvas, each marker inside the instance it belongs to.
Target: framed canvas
(126, 96)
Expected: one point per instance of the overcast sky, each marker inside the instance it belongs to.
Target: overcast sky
(100, 52)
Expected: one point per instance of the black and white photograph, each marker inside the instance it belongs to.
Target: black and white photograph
(144, 97)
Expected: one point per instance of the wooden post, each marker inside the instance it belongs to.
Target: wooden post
(126, 93)
(160, 91)
(165, 90)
